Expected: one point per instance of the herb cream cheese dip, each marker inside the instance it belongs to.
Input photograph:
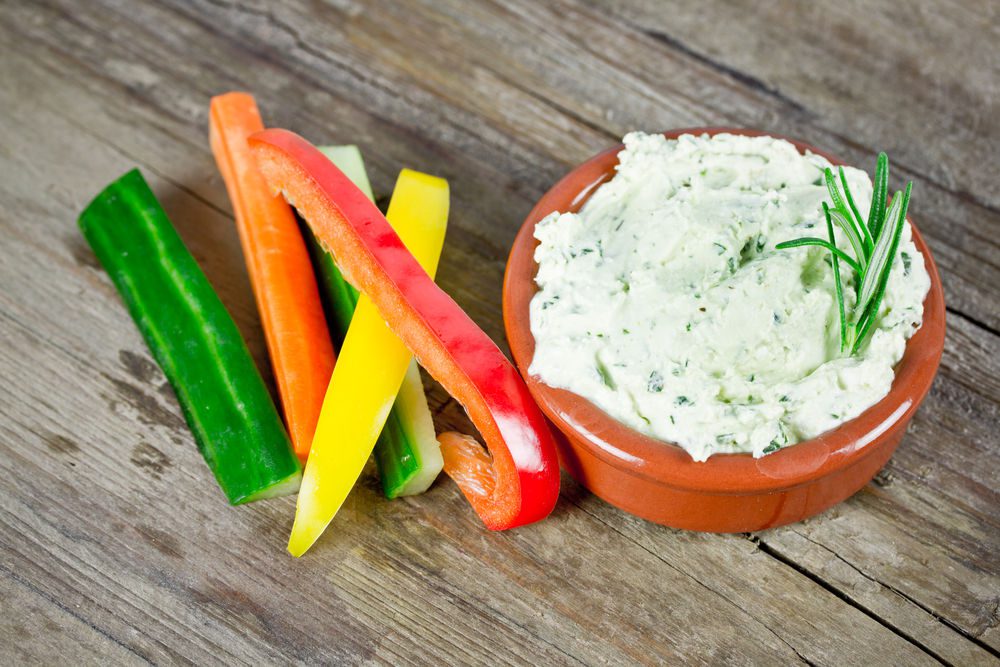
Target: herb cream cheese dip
(665, 303)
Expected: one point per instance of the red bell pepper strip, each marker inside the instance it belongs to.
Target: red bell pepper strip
(443, 338)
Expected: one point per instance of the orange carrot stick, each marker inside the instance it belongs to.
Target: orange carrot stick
(298, 339)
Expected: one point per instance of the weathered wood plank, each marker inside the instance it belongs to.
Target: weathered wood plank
(44, 632)
(124, 518)
(157, 490)
(418, 63)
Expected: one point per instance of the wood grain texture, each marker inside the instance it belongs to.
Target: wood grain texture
(115, 544)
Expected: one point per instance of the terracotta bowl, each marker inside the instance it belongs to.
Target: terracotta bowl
(659, 480)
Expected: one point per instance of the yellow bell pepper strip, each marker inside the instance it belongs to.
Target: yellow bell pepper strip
(522, 458)
(298, 341)
(194, 340)
(407, 453)
(369, 371)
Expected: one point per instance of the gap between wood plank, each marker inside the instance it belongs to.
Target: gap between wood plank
(10, 574)
(831, 588)
(756, 539)
(266, 56)
(85, 362)
(972, 320)
(756, 84)
(744, 78)
(121, 151)
(753, 83)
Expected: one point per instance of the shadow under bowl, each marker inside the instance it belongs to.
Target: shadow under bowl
(658, 480)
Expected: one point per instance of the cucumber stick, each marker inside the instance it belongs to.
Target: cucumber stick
(407, 452)
(195, 341)
(338, 296)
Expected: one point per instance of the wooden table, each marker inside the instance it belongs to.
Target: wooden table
(117, 546)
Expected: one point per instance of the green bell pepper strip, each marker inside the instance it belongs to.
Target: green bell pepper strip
(195, 341)
(407, 453)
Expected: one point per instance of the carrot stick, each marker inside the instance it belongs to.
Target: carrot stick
(298, 340)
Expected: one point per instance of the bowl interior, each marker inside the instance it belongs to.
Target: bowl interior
(621, 446)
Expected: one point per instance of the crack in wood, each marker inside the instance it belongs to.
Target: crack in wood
(972, 637)
(848, 599)
(145, 165)
(972, 320)
(55, 602)
(744, 78)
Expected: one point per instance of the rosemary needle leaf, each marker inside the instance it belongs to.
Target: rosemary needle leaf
(860, 249)
(893, 228)
(834, 191)
(865, 232)
(843, 217)
(880, 191)
(880, 255)
(836, 280)
(811, 240)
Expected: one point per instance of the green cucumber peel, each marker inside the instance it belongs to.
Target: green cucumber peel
(193, 338)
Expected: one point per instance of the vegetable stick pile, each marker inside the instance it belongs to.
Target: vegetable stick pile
(342, 277)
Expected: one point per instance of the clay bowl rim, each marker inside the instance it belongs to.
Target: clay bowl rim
(662, 462)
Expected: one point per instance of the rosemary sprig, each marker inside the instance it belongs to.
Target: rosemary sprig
(874, 242)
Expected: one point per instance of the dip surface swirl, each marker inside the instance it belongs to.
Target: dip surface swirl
(664, 302)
